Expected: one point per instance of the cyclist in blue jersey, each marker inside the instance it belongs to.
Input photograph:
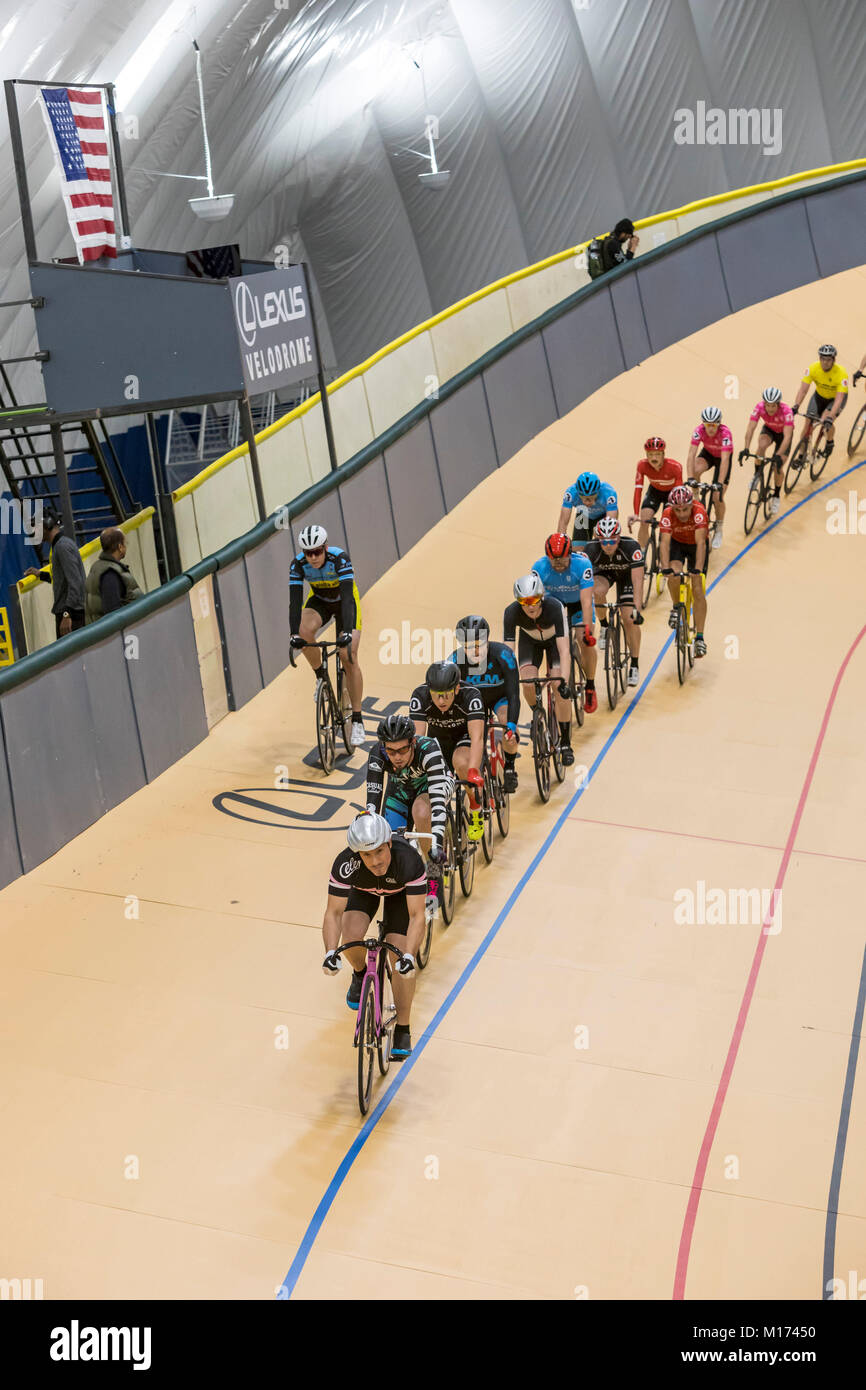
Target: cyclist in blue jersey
(590, 499)
(491, 669)
(567, 575)
(333, 594)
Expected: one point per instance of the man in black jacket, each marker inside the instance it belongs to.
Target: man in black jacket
(67, 576)
(612, 250)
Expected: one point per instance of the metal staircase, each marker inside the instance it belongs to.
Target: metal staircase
(98, 486)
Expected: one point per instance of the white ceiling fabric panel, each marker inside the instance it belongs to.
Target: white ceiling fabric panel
(555, 118)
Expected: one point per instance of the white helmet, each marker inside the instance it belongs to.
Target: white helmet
(368, 832)
(711, 414)
(529, 586)
(772, 394)
(312, 537)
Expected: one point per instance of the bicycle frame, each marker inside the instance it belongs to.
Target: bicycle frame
(373, 946)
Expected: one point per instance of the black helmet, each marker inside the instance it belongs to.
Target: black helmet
(441, 676)
(395, 727)
(473, 629)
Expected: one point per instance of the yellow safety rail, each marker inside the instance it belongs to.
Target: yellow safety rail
(92, 548)
(7, 653)
(719, 198)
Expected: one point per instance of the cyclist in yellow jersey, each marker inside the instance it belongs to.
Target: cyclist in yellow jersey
(830, 381)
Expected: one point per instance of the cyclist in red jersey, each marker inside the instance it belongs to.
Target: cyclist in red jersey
(683, 531)
(660, 474)
(711, 447)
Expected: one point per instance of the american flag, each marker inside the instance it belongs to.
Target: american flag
(79, 137)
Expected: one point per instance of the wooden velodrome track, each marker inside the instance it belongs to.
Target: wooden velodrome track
(604, 1101)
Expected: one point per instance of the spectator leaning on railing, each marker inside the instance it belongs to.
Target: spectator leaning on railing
(110, 583)
(67, 576)
(606, 252)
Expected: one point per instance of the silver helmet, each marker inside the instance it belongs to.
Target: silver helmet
(367, 833)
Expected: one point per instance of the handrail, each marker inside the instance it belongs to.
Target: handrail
(192, 484)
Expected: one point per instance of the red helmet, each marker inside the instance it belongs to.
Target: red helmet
(655, 441)
(557, 546)
(681, 496)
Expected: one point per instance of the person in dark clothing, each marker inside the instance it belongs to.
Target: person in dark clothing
(110, 583)
(619, 246)
(67, 576)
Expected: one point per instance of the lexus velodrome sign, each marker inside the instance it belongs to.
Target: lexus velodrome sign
(275, 331)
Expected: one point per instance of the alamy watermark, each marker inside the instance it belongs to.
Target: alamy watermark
(720, 907)
(737, 126)
(22, 518)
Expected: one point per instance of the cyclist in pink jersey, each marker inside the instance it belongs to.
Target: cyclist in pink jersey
(777, 430)
(711, 446)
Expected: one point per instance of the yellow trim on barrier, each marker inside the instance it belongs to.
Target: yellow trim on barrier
(718, 198)
(93, 547)
(7, 651)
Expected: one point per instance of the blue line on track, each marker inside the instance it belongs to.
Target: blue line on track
(841, 1139)
(288, 1285)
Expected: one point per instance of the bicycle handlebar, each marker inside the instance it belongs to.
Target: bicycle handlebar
(369, 943)
(326, 648)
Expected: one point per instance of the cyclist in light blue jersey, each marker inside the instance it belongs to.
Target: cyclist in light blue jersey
(567, 575)
(590, 499)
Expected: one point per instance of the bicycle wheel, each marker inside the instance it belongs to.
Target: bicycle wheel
(622, 652)
(423, 953)
(650, 562)
(345, 710)
(540, 752)
(611, 666)
(578, 685)
(858, 429)
(690, 630)
(555, 739)
(817, 459)
(366, 1044)
(795, 465)
(447, 885)
(326, 715)
(768, 487)
(503, 802)
(465, 850)
(681, 642)
(753, 501)
(389, 1013)
(487, 812)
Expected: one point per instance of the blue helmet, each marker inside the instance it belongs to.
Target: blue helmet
(588, 484)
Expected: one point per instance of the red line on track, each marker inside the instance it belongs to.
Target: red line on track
(714, 839)
(724, 1082)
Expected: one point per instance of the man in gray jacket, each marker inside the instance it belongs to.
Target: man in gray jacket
(67, 576)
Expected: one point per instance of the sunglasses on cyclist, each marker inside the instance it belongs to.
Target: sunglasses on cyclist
(313, 554)
(528, 602)
(404, 748)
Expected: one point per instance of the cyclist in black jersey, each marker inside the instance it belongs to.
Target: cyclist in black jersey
(328, 572)
(491, 669)
(374, 870)
(542, 623)
(418, 785)
(454, 716)
(617, 559)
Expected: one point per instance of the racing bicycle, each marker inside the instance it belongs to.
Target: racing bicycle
(333, 708)
(544, 733)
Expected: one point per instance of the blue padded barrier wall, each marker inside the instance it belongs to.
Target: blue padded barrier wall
(417, 499)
